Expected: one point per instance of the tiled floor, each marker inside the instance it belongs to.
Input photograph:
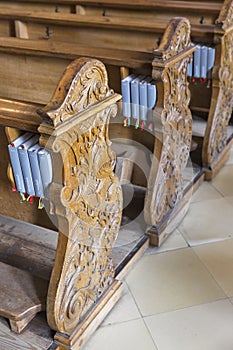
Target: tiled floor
(180, 296)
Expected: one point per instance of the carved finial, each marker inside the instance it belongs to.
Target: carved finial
(225, 18)
(175, 39)
(84, 83)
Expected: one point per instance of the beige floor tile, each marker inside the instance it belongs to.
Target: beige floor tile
(202, 327)
(172, 280)
(218, 258)
(205, 192)
(174, 241)
(125, 310)
(230, 159)
(229, 199)
(223, 182)
(208, 221)
(122, 336)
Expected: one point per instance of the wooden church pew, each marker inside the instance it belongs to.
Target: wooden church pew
(72, 123)
(120, 62)
(211, 23)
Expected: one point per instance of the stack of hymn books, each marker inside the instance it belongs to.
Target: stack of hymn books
(31, 165)
(202, 63)
(139, 96)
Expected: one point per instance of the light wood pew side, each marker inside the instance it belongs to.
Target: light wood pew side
(73, 124)
(57, 54)
(74, 127)
(139, 26)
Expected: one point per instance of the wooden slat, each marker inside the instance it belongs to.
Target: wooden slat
(70, 51)
(79, 20)
(22, 296)
(27, 255)
(124, 23)
(14, 113)
(198, 6)
(32, 248)
(31, 338)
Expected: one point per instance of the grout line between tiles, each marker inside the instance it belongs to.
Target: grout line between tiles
(152, 338)
(120, 322)
(186, 307)
(134, 299)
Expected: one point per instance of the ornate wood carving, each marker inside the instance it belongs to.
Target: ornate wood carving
(86, 196)
(85, 88)
(222, 100)
(175, 39)
(226, 15)
(165, 187)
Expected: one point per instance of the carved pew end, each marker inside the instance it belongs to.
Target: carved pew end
(159, 233)
(91, 321)
(215, 167)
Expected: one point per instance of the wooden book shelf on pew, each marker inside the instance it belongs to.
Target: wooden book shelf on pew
(85, 195)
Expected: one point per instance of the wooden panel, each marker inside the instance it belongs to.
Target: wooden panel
(26, 78)
(98, 37)
(6, 28)
(16, 113)
(68, 51)
(197, 11)
(139, 25)
(15, 304)
(31, 338)
(26, 255)
(48, 6)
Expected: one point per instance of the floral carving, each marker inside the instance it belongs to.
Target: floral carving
(92, 199)
(85, 194)
(177, 134)
(217, 138)
(225, 18)
(88, 86)
(175, 39)
(165, 187)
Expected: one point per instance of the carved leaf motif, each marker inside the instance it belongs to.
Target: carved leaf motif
(85, 194)
(223, 110)
(166, 185)
(225, 18)
(92, 198)
(89, 86)
(175, 39)
(83, 288)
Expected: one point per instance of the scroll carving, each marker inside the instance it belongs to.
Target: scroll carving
(87, 200)
(166, 178)
(91, 197)
(165, 187)
(216, 139)
(226, 15)
(88, 86)
(175, 39)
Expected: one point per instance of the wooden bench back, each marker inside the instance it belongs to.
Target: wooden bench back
(124, 14)
(131, 34)
(25, 77)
